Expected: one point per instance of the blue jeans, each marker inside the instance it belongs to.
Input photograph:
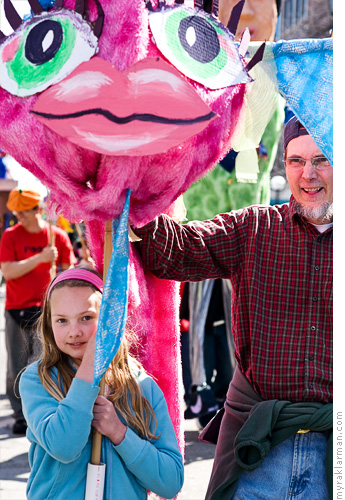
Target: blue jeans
(294, 469)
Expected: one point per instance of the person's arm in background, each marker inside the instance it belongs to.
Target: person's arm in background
(12, 268)
(17, 269)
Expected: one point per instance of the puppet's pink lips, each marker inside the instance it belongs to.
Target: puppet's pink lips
(147, 109)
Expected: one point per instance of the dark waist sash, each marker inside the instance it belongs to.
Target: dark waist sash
(247, 428)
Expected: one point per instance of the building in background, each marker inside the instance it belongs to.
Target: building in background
(305, 19)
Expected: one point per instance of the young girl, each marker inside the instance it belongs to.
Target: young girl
(60, 405)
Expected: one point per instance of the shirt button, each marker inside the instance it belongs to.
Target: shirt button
(317, 268)
(310, 386)
(311, 358)
(315, 299)
(313, 328)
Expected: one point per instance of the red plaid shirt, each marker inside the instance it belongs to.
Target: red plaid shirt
(281, 269)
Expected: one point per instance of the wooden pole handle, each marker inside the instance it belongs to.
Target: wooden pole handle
(97, 436)
(52, 243)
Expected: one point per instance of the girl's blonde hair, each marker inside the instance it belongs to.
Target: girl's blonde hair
(125, 392)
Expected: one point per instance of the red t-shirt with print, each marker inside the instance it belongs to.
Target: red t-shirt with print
(18, 244)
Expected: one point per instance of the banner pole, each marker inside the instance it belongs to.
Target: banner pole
(97, 436)
(51, 244)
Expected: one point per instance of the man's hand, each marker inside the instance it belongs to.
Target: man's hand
(49, 254)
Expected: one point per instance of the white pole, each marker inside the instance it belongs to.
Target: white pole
(95, 482)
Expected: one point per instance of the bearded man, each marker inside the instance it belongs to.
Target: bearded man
(274, 433)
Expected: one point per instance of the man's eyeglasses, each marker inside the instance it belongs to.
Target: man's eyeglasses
(318, 162)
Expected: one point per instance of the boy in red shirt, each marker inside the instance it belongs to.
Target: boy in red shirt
(26, 257)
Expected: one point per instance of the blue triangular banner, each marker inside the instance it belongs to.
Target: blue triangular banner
(303, 73)
(113, 313)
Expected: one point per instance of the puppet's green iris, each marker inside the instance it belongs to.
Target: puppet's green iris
(198, 45)
(194, 42)
(44, 50)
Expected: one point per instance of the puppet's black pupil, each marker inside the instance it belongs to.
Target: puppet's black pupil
(199, 39)
(38, 52)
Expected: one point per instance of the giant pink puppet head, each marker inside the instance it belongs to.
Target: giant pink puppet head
(147, 100)
(150, 105)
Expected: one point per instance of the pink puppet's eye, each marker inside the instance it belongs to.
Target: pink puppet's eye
(44, 50)
(199, 46)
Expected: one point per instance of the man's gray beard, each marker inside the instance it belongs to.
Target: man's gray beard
(323, 213)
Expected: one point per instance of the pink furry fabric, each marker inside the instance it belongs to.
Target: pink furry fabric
(157, 321)
(90, 186)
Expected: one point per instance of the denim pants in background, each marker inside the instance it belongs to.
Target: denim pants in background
(294, 469)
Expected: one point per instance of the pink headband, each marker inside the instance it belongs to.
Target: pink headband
(77, 274)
